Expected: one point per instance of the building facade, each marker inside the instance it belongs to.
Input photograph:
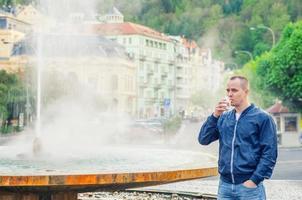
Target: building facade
(95, 61)
(168, 70)
(153, 55)
(12, 30)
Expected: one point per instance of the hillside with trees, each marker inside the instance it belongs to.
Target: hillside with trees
(224, 26)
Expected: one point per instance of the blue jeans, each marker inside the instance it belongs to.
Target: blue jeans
(228, 191)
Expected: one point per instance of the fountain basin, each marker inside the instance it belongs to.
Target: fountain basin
(107, 169)
(106, 181)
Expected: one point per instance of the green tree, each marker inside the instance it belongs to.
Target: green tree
(233, 6)
(12, 97)
(282, 72)
(167, 6)
(258, 95)
(294, 9)
(279, 72)
(15, 2)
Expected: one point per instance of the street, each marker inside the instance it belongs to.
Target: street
(289, 164)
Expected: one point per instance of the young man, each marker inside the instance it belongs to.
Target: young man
(247, 143)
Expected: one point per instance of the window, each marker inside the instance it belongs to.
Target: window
(161, 95)
(3, 23)
(130, 40)
(170, 69)
(141, 92)
(114, 82)
(290, 124)
(165, 46)
(156, 68)
(141, 79)
(126, 81)
(141, 67)
(155, 81)
(92, 80)
(162, 69)
(278, 123)
(148, 94)
(131, 86)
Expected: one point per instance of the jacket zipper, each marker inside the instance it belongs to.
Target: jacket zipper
(232, 153)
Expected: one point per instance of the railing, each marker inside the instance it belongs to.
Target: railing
(142, 57)
(150, 71)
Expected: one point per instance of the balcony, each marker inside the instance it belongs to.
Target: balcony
(157, 86)
(171, 86)
(150, 72)
(142, 57)
(179, 87)
(131, 56)
(180, 84)
(143, 84)
(150, 100)
(164, 75)
(171, 61)
(157, 60)
(182, 96)
(179, 76)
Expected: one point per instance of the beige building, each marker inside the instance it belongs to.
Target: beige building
(196, 72)
(29, 14)
(183, 67)
(153, 55)
(98, 63)
(12, 30)
(207, 72)
(94, 61)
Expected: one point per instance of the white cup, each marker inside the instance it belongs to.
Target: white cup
(228, 103)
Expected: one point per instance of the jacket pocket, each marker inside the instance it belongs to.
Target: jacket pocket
(245, 160)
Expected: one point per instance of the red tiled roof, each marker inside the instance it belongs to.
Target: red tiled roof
(189, 43)
(127, 28)
(277, 108)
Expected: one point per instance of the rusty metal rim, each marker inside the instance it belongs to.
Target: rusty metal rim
(106, 178)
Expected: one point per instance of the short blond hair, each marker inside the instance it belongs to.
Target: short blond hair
(244, 82)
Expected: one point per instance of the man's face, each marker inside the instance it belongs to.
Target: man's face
(236, 93)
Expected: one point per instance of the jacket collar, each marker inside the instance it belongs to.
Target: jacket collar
(244, 112)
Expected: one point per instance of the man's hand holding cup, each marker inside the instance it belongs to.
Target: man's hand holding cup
(222, 106)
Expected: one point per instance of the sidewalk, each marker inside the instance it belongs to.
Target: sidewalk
(275, 189)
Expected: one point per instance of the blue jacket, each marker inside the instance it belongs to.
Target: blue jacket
(247, 147)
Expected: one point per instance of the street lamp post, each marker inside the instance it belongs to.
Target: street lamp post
(267, 28)
(246, 52)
